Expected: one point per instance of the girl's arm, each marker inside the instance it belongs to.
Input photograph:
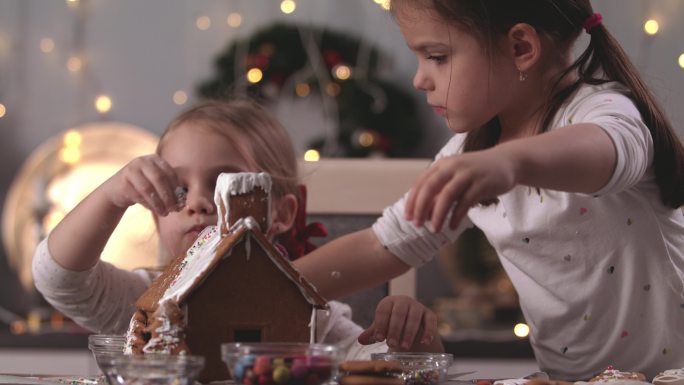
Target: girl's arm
(78, 240)
(576, 158)
(348, 264)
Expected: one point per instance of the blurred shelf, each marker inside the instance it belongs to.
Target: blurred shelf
(51, 340)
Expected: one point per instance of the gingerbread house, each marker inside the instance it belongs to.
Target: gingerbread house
(233, 285)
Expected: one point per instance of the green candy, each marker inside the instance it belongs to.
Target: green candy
(281, 374)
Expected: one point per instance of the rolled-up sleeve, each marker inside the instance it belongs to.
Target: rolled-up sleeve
(100, 299)
(415, 246)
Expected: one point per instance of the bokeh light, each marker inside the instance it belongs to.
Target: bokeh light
(651, 27)
(312, 156)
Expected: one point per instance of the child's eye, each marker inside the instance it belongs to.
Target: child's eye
(439, 59)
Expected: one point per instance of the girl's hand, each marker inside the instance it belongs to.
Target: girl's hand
(456, 183)
(148, 180)
(406, 324)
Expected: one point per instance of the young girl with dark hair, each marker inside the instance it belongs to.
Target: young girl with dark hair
(568, 166)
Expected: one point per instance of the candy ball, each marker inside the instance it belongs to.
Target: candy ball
(281, 374)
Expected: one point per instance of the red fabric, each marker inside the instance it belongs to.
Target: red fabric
(592, 21)
(296, 241)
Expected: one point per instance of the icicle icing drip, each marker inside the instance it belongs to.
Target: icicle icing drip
(167, 329)
(229, 184)
(312, 326)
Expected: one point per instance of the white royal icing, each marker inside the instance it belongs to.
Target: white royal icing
(231, 184)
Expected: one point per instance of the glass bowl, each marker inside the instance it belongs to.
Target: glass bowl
(152, 369)
(419, 368)
(281, 363)
(106, 346)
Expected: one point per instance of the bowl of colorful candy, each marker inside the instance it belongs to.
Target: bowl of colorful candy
(281, 363)
(152, 369)
(419, 368)
(106, 346)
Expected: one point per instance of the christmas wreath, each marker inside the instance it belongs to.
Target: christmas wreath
(372, 116)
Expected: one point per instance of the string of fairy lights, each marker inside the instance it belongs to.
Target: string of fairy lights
(103, 103)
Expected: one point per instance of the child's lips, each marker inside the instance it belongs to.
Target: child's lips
(441, 111)
(195, 230)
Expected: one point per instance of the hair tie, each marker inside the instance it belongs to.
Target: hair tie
(592, 21)
(296, 241)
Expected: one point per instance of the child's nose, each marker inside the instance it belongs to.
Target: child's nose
(420, 81)
(198, 202)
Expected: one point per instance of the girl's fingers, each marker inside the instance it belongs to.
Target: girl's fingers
(425, 197)
(413, 193)
(170, 176)
(147, 193)
(450, 193)
(381, 321)
(413, 320)
(163, 191)
(468, 199)
(396, 324)
(429, 328)
(367, 336)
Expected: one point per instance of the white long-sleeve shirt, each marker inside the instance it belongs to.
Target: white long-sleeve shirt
(600, 277)
(102, 300)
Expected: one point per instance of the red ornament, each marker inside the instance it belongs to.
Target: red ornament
(383, 143)
(261, 61)
(331, 57)
(296, 241)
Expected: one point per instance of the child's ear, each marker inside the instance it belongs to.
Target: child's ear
(283, 213)
(524, 45)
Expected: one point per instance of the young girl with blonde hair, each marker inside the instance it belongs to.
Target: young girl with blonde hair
(201, 143)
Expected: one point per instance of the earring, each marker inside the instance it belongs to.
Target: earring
(522, 76)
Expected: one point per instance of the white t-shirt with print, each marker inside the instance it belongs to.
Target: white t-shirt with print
(600, 277)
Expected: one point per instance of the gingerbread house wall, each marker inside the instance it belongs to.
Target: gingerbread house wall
(244, 294)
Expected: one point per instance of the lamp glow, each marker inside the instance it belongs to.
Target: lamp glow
(47, 45)
(302, 90)
(72, 139)
(103, 104)
(3, 110)
(333, 89)
(386, 5)
(72, 3)
(234, 20)
(288, 6)
(312, 156)
(70, 155)
(74, 64)
(342, 71)
(366, 139)
(681, 60)
(521, 330)
(180, 97)
(651, 27)
(254, 75)
(203, 23)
